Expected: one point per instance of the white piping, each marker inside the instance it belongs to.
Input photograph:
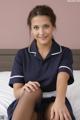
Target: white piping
(58, 52)
(51, 54)
(30, 51)
(17, 76)
(65, 67)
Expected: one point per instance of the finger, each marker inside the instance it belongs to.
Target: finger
(61, 116)
(52, 114)
(27, 89)
(56, 116)
(68, 115)
(35, 84)
(29, 86)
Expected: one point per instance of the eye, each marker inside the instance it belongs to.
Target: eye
(36, 27)
(46, 26)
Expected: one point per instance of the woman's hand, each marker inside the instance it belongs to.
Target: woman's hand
(31, 86)
(59, 111)
(19, 88)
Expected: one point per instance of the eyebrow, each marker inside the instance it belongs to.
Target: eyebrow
(42, 25)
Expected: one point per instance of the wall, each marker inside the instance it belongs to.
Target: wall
(13, 16)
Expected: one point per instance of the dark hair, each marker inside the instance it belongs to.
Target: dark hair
(42, 10)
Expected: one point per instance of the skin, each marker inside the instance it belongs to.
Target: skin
(42, 30)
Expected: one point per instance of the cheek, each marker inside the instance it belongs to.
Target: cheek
(49, 32)
(33, 33)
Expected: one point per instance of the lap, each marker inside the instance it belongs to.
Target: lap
(48, 106)
(45, 106)
(42, 107)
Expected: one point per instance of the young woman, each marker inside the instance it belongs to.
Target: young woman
(41, 73)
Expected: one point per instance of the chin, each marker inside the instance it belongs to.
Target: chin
(44, 42)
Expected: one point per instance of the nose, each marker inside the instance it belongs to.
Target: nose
(41, 31)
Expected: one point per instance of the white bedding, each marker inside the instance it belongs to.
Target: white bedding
(73, 94)
(6, 94)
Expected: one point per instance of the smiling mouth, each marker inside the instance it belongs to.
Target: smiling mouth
(43, 38)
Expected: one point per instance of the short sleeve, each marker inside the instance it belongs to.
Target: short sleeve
(17, 75)
(66, 64)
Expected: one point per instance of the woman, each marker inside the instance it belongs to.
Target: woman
(41, 73)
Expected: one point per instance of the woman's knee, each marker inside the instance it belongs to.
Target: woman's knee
(37, 94)
(34, 96)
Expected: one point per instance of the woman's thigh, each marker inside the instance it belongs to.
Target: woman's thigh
(34, 116)
(47, 111)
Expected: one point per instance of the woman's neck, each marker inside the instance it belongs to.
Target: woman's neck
(44, 49)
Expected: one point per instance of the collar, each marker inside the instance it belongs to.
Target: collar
(55, 48)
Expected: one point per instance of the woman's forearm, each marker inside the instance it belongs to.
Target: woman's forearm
(18, 90)
(61, 86)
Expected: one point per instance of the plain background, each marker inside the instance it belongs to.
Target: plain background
(14, 33)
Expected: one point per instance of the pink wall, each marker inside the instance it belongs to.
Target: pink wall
(14, 31)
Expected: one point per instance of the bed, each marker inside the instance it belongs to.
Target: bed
(6, 93)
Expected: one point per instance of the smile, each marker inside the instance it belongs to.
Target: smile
(42, 37)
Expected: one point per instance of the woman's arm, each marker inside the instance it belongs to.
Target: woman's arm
(18, 90)
(61, 86)
(59, 109)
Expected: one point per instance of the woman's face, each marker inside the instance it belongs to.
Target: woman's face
(42, 29)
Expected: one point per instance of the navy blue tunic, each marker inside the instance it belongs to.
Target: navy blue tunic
(29, 66)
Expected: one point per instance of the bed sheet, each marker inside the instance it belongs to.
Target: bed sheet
(6, 94)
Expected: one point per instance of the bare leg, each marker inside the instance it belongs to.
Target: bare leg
(34, 116)
(25, 107)
(47, 112)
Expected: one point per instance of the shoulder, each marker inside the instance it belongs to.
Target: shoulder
(22, 51)
(62, 49)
